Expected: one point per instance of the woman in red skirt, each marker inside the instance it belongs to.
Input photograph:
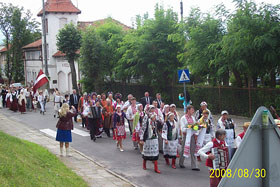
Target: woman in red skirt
(14, 102)
(8, 97)
(22, 102)
(119, 127)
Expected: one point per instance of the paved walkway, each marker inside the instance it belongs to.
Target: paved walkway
(91, 171)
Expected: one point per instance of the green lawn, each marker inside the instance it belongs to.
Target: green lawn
(23, 163)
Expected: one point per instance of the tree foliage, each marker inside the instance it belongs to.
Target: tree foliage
(69, 42)
(219, 48)
(19, 29)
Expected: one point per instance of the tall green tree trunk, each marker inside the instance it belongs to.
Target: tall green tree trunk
(272, 82)
(226, 78)
(238, 78)
(8, 63)
(73, 73)
(255, 82)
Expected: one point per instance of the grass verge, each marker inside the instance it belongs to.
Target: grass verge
(23, 163)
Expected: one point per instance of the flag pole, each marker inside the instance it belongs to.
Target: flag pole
(45, 40)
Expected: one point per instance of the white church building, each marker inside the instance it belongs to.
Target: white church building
(58, 14)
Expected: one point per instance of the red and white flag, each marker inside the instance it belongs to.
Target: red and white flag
(40, 81)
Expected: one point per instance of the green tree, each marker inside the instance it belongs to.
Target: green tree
(24, 30)
(6, 13)
(202, 32)
(111, 33)
(150, 53)
(19, 29)
(69, 42)
(92, 59)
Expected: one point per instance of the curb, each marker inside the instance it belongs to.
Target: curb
(104, 167)
(78, 152)
(95, 162)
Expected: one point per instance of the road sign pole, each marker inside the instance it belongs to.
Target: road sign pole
(185, 94)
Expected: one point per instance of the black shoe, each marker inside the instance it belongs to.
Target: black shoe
(94, 139)
(40, 112)
(195, 169)
(182, 166)
(54, 116)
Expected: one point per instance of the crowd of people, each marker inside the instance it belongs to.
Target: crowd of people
(23, 99)
(155, 126)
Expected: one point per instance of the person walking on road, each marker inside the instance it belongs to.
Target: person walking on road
(146, 100)
(64, 127)
(185, 121)
(149, 138)
(119, 127)
(41, 101)
(74, 101)
(170, 135)
(22, 102)
(108, 112)
(57, 103)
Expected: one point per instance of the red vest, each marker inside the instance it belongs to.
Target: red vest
(242, 135)
(220, 145)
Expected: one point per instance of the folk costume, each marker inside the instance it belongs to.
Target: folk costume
(240, 136)
(192, 140)
(22, 103)
(210, 133)
(160, 122)
(150, 138)
(94, 115)
(108, 112)
(81, 108)
(130, 115)
(8, 100)
(215, 143)
(229, 126)
(170, 135)
(119, 125)
(14, 101)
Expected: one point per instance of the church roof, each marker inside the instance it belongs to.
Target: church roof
(36, 44)
(59, 6)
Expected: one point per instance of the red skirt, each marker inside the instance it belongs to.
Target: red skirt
(14, 105)
(135, 136)
(119, 133)
(22, 107)
(8, 104)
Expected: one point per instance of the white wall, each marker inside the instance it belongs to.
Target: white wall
(55, 22)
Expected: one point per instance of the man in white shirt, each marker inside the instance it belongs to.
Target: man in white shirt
(128, 102)
(186, 120)
(131, 111)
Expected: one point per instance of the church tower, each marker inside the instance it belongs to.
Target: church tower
(58, 14)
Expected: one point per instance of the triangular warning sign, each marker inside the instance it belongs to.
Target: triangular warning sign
(184, 77)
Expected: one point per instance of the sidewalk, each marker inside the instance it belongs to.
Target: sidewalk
(91, 171)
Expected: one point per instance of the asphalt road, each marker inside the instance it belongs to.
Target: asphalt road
(128, 163)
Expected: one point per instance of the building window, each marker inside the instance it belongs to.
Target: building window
(62, 22)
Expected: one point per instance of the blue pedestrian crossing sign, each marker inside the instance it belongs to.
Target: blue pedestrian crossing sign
(184, 75)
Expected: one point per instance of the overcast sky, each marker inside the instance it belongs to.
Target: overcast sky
(125, 10)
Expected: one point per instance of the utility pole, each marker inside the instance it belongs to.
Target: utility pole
(181, 7)
(45, 40)
(182, 18)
